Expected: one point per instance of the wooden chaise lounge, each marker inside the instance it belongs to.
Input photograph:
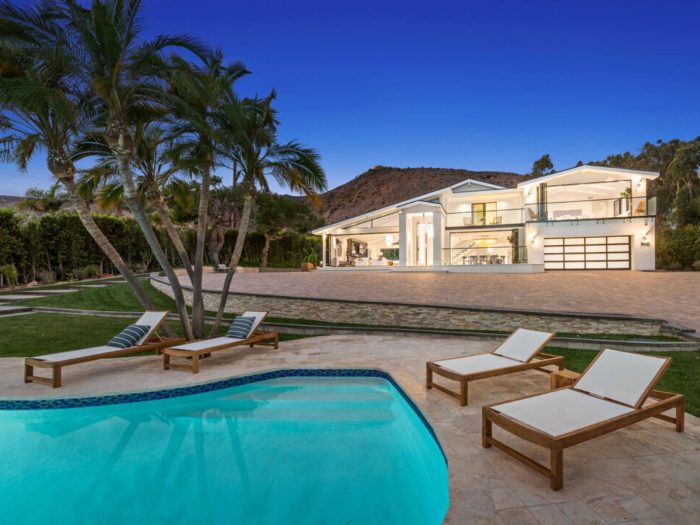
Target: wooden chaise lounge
(615, 391)
(521, 351)
(56, 362)
(198, 349)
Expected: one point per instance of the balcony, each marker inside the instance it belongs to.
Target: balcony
(576, 210)
(489, 217)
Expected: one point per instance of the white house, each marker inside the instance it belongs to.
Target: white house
(584, 218)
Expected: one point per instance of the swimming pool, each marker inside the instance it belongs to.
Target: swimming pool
(295, 446)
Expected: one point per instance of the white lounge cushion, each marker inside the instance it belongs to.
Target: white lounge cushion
(523, 344)
(73, 354)
(621, 376)
(206, 343)
(153, 320)
(476, 363)
(562, 411)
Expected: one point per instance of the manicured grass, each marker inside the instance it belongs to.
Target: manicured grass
(44, 333)
(115, 297)
(683, 376)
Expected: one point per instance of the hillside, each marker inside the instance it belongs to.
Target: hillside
(382, 186)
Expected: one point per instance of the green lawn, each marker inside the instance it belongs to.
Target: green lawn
(115, 297)
(43, 333)
(682, 376)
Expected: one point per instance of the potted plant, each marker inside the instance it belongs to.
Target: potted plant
(310, 260)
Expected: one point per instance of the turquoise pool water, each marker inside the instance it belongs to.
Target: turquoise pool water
(331, 450)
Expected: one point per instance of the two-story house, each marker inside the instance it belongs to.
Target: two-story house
(584, 218)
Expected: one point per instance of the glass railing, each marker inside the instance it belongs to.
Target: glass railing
(487, 218)
(565, 210)
(574, 210)
(480, 255)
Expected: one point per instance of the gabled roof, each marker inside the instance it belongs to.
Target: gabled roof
(588, 168)
(394, 207)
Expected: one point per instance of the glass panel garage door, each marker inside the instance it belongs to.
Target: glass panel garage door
(587, 253)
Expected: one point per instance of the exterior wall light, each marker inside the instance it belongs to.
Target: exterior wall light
(389, 240)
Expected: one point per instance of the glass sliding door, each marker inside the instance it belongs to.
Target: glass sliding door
(483, 213)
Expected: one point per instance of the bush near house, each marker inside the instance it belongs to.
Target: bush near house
(57, 247)
(678, 248)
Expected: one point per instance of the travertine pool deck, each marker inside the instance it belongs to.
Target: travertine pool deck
(672, 296)
(646, 473)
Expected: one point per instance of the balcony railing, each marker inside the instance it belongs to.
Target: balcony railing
(564, 210)
(487, 218)
(481, 255)
(574, 210)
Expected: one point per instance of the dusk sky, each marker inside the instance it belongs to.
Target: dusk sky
(474, 85)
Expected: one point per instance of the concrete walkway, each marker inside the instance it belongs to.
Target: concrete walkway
(643, 474)
(672, 296)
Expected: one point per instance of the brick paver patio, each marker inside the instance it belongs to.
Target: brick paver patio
(644, 474)
(673, 296)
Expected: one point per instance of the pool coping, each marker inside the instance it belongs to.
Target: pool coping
(211, 386)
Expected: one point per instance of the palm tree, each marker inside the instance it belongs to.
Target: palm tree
(153, 171)
(248, 133)
(43, 201)
(43, 109)
(117, 65)
(193, 98)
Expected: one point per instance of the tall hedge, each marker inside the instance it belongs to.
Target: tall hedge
(678, 248)
(59, 244)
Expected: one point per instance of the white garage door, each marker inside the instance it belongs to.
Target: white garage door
(587, 253)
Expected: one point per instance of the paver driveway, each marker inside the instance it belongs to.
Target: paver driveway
(673, 296)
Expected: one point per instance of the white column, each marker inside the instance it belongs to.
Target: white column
(437, 238)
(403, 239)
(324, 247)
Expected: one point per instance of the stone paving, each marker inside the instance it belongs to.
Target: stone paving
(673, 296)
(645, 474)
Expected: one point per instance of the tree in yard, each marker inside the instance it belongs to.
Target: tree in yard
(44, 109)
(118, 65)
(153, 171)
(542, 166)
(248, 136)
(44, 201)
(193, 98)
(277, 215)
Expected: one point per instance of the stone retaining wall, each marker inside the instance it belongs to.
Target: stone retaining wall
(422, 316)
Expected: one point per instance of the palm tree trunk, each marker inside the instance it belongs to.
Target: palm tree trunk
(104, 244)
(265, 251)
(136, 208)
(167, 223)
(202, 219)
(235, 258)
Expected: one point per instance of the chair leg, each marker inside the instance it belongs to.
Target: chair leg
(56, 377)
(680, 416)
(277, 341)
(28, 373)
(486, 431)
(463, 392)
(556, 474)
(195, 364)
(166, 361)
(428, 377)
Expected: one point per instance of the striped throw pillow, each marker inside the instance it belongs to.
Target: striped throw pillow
(240, 327)
(129, 336)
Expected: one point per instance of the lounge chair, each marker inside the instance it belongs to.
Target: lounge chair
(611, 393)
(150, 341)
(521, 351)
(198, 349)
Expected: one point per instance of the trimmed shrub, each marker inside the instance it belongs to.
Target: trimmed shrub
(678, 247)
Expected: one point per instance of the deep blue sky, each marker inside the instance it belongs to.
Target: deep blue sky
(461, 84)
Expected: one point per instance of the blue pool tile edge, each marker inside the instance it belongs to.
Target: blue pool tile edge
(154, 395)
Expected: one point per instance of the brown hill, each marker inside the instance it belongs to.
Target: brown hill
(382, 186)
